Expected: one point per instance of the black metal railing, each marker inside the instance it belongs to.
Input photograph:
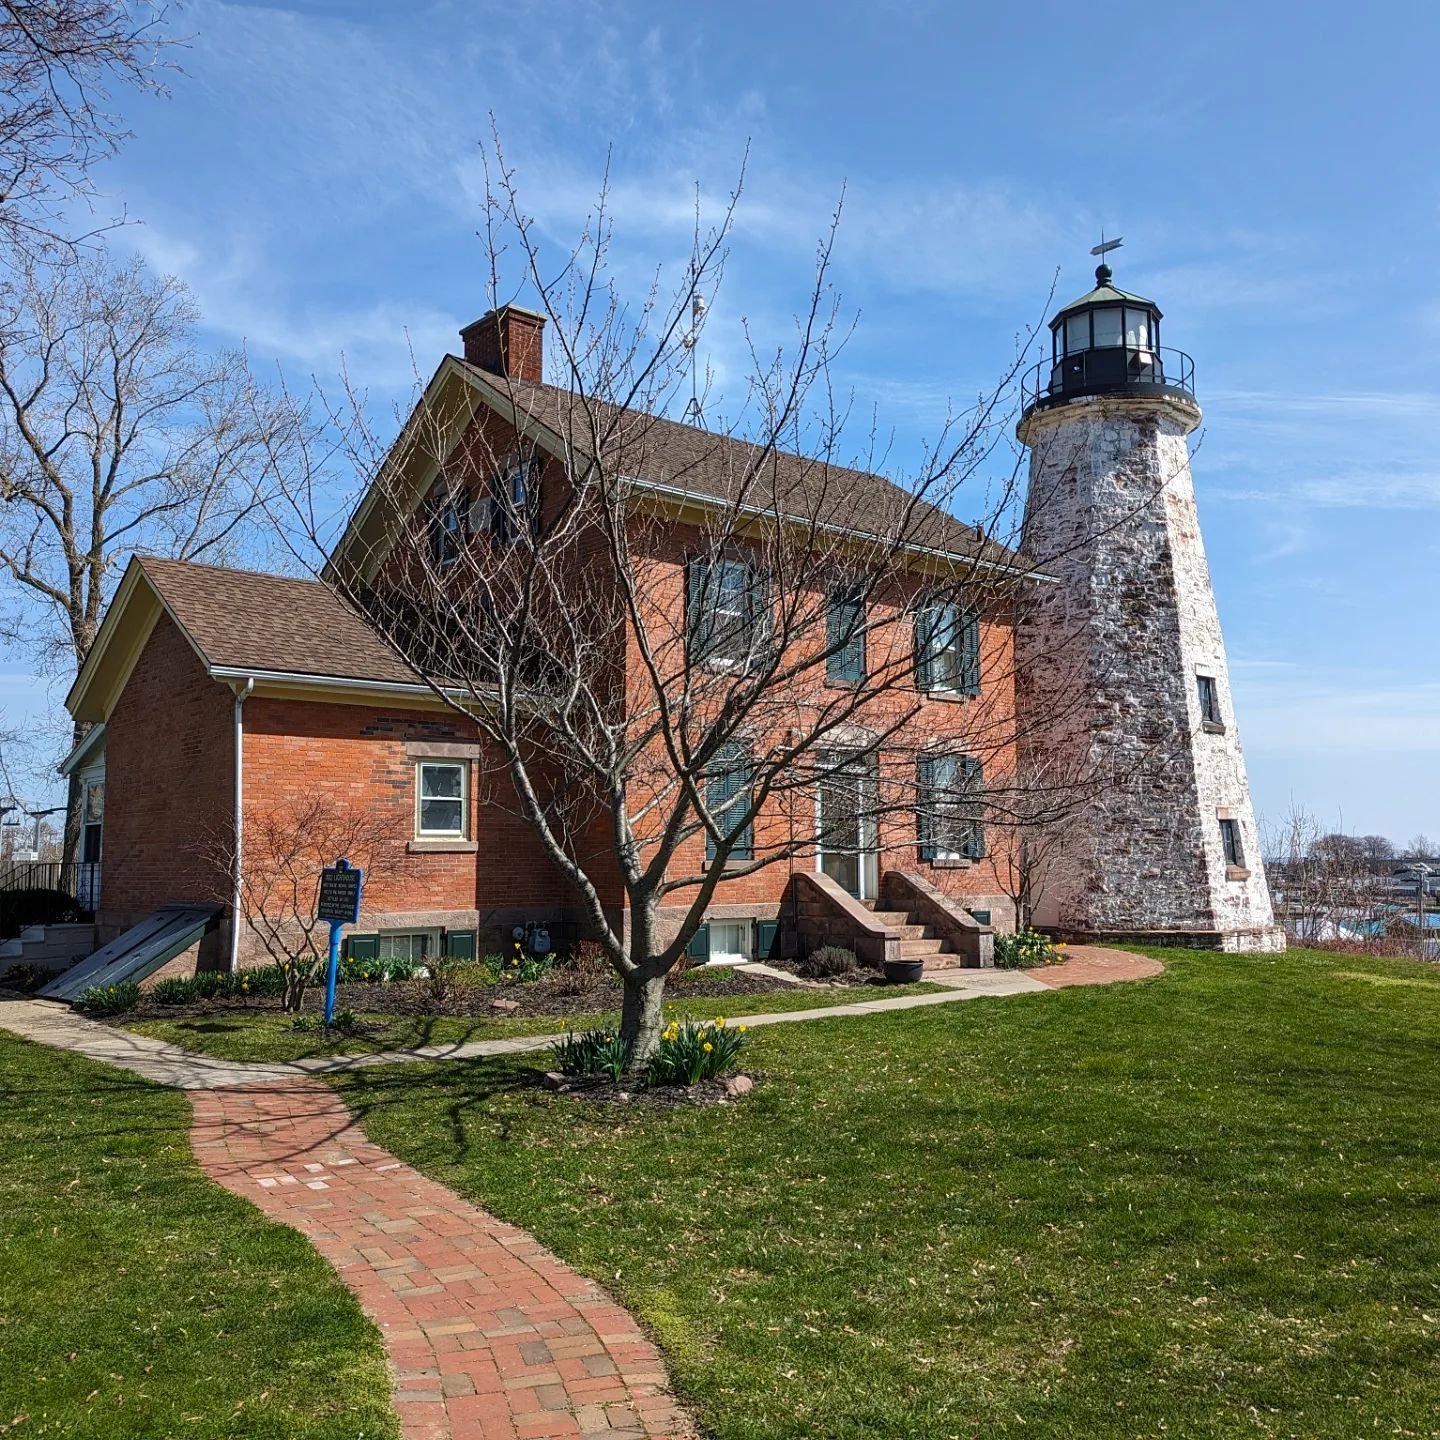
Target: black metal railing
(78, 880)
(1110, 370)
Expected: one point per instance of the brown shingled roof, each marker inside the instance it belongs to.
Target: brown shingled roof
(689, 458)
(244, 620)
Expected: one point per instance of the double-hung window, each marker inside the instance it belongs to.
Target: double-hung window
(729, 780)
(727, 611)
(440, 800)
(845, 636)
(950, 813)
(446, 524)
(947, 649)
(514, 497)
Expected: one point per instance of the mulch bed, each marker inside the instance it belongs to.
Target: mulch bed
(550, 996)
(598, 1091)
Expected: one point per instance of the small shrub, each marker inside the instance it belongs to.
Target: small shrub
(827, 963)
(690, 1053)
(1024, 949)
(110, 999)
(592, 1052)
(36, 905)
(26, 978)
(586, 967)
(307, 1024)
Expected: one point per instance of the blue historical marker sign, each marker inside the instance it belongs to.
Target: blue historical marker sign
(340, 894)
(339, 903)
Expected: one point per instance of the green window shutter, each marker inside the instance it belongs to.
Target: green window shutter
(460, 944)
(362, 947)
(699, 608)
(924, 649)
(969, 653)
(767, 939)
(727, 793)
(698, 949)
(973, 774)
(757, 604)
(845, 639)
(925, 805)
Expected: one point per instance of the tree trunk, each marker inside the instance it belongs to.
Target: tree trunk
(641, 1015)
(74, 803)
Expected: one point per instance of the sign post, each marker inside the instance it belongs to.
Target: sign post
(340, 905)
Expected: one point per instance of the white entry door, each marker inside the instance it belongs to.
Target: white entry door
(845, 824)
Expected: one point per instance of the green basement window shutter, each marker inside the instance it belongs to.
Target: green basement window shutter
(980, 917)
(362, 947)
(767, 939)
(698, 950)
(459, 944)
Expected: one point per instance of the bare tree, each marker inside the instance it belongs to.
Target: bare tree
(286, 848)
(117, 435)
(674, 641)
(59, 62)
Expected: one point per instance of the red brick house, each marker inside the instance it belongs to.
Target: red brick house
(217, 693)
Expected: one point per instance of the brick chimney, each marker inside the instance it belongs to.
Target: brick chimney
(507, 341)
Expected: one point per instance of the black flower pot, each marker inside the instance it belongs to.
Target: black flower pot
(904, 972)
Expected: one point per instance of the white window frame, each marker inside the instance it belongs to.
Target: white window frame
(432, 936)
(463, 766)
(746, 929)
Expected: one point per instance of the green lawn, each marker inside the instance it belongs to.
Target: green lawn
(139, 1301)
(1202, 1205)
(265, 1035)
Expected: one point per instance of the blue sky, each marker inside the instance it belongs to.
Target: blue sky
(314, 178)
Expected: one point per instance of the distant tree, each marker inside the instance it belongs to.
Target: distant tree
(60, 61)
(117, 434)
(1420, 847)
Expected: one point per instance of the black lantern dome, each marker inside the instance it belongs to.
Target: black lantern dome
(1108, 343)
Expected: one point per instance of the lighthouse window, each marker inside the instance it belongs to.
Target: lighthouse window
(1077, 333)
(1107, 328)
(1137, 329)
(1209, 701)
(1230, 840)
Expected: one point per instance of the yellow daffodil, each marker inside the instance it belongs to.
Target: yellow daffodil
(719, 1022)
(707, 1047)
(742, 1029)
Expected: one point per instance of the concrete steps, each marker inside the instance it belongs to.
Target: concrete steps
(49, 947)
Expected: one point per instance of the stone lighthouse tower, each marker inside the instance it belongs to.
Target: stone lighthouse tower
(1128, 723)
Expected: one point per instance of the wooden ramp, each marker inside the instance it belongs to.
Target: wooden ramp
(139, 952)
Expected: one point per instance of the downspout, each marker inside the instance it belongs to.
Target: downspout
(241, 695)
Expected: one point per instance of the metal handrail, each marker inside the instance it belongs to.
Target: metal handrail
(1144, 367)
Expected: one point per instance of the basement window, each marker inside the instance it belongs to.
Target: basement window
(440, 799)
(730, 942)
(417, 946)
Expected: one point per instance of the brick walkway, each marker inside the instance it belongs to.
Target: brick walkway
(490, 1337)
(1094, 965)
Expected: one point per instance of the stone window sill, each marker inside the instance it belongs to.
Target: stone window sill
(950, 696)
(1213, 727)
(956, 864)
(1236, 872)
(442, 847)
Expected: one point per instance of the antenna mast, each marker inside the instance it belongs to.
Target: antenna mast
(694, 415)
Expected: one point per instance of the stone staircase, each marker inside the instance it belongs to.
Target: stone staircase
(918, 941)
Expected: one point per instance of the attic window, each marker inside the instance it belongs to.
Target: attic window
(446, 524)
(514, 490)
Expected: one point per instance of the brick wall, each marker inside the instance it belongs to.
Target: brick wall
(169, 786)
(364, 757)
